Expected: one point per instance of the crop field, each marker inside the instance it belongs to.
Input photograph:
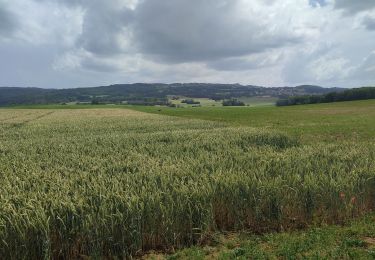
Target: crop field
(117, 182)
(205, 102)
(334, 122)
(258, 101)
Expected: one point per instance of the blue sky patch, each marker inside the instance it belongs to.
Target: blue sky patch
(315, 3)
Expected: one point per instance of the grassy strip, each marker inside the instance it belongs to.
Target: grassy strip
(356, 240)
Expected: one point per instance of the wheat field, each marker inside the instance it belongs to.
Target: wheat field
(117, 182)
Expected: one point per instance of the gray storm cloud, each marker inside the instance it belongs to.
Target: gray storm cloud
(175, 31)
(353, 6)
(185, 30)
(102, 29)
(8, 23)
(369, 23)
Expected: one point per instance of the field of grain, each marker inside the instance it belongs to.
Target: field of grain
(117, 182)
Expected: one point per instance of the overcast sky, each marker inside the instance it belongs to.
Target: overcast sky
(80, 43)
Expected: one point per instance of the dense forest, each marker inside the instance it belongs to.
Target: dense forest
(347, 95)
(140, 92)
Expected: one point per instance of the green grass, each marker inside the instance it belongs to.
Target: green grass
(259, 101)
(332, 122)
(353, 241)
(249, 101)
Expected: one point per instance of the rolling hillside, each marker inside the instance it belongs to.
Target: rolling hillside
(138, 91)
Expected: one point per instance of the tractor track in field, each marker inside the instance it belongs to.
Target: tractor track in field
(13, 117)
(23, 123)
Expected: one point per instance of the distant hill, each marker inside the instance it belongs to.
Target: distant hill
(139, 91)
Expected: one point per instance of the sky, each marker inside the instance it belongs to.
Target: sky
(82, 43)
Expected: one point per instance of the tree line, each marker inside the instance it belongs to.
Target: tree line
(347, 95)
